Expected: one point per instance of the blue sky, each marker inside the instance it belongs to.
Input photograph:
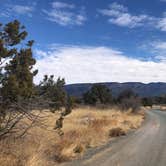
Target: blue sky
(95, 40)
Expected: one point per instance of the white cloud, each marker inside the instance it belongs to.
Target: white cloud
(62, 5)
(78, 64)
(12, 10)
(162, 23)
(22, 9)
(65, 14)
(159, 48)
(118, 14)
(161, 45)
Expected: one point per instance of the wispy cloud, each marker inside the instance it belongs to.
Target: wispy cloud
(97, 64)
(159, 48)
(119, 15)
(22, 9)
(65, 14)
(62, 5)
(12, 10)
(162, 23)
(161, 45)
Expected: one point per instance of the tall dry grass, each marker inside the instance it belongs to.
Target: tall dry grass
(84, 128)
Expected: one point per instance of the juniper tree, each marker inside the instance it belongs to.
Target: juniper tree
(53, 91)
(98, 93)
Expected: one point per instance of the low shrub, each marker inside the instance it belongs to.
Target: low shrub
(116, 132)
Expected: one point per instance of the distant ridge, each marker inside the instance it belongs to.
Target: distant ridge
(143, 90)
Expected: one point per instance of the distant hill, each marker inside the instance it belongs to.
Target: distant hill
(143, 90)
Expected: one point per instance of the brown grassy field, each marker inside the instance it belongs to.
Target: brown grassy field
(83, 128)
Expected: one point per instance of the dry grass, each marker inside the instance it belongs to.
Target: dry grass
(159, 107)
(84, 128)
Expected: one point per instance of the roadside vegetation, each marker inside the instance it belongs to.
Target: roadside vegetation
(84, 128)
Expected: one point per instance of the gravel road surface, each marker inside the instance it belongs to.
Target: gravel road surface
(144, 147)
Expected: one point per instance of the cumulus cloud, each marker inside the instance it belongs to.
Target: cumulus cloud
(119, 15)
(65, 14)
(82, 64)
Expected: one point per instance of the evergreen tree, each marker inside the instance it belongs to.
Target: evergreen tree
(147, 101)
(16, 76)
(16, 73)
(53, 91)
(11, 35)
(98, 94)
(18, 80)
(126, 94)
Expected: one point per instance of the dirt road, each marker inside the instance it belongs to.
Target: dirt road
(144, 147)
